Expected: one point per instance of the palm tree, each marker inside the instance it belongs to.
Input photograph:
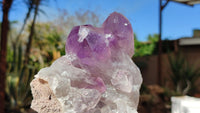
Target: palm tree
(30, 5)
(4, 34)
(32, 29)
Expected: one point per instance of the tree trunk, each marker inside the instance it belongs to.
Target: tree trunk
(28, 47)
(4, 34)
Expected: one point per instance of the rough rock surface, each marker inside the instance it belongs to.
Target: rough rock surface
(97, 74)
(44, 99)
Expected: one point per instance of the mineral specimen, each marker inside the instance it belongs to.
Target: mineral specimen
(97, 74)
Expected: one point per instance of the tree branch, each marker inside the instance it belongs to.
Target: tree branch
(163, 6)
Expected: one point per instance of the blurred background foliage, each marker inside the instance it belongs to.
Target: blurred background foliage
(146, 48)
(183, 74)
(35, 45)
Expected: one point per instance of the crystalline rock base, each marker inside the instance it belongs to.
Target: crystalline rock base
(97, 74)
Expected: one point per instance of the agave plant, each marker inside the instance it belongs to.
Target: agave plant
(18, 94)
(183, 75)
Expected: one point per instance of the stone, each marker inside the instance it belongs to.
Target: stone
(97, 74)
(44, 99)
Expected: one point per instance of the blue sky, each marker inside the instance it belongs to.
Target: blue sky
(178, 20)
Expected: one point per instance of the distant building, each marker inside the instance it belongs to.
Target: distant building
(190, 41)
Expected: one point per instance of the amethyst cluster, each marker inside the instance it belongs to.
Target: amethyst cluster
(97, 74)
(89, 42)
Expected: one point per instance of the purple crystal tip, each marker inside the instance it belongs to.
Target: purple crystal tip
(88, 42)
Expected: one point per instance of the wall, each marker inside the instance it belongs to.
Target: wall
(149, 65)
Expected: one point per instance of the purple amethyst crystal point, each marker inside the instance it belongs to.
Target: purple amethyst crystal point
(119, 28)
(87, 42)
